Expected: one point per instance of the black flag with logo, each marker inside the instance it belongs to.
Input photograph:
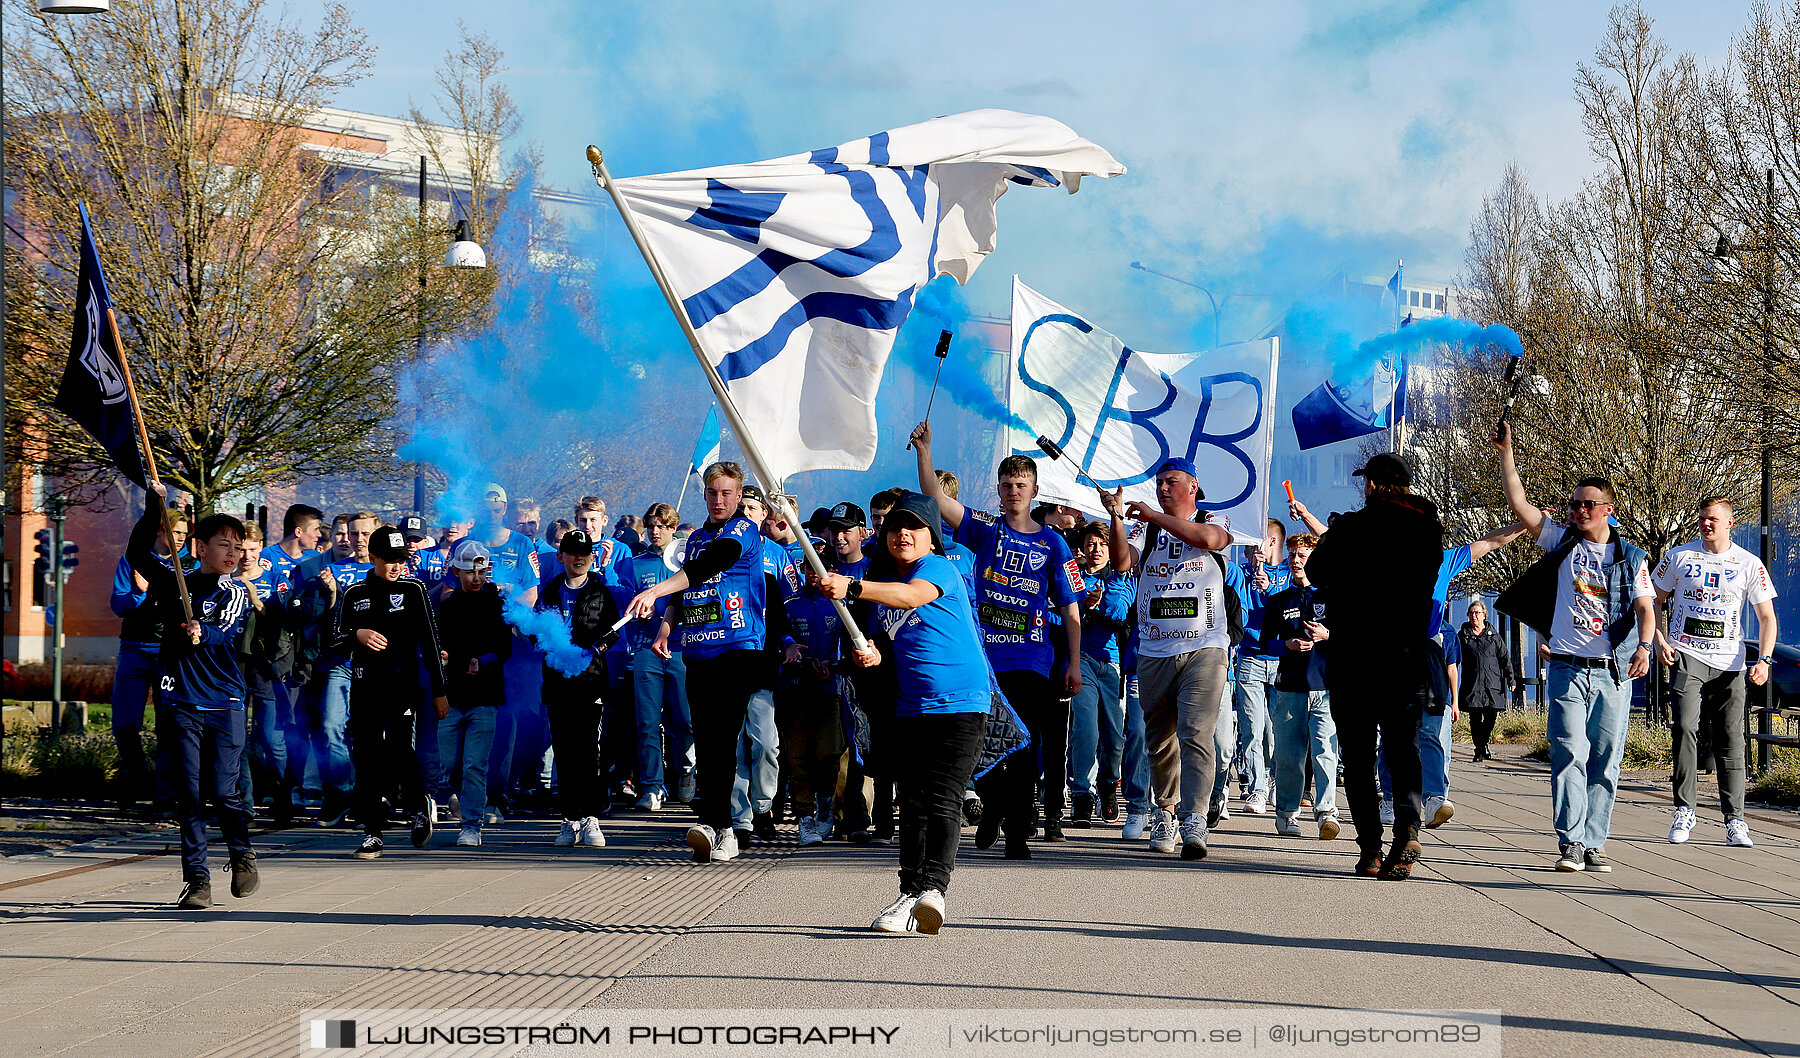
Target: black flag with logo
(93, 384)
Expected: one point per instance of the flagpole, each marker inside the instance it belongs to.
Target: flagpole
(685, 478)
(777, 499)
(137, 417)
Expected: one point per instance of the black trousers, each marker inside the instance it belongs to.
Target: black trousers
(381, 745)
(719, 690)
(937, 754)
(1011, 787)
(1380, 698)
(576, 709)
(1481, 727)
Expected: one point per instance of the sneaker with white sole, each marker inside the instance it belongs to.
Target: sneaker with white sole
(1255, 808)
(590, 835)
(809, 831)
(898, 918)
(565, 838)
(1193, 837)
(1135, 825)
(1573, 858)
(650, 802)
(700, 838)
(1162, 832)
(1737, 834)
(928, 912)
(469, 837)
(1329, 828)
(1287, 825)
(725, 846)
(1682, 826)
(1437, 812)
(1387, 813)
(370, 849)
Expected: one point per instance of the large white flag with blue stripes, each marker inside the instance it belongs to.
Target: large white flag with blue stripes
(798, 272)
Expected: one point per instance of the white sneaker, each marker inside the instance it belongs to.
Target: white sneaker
(809, 831)
(1193, 837)
(928, 912)
(650, 802)
(1286, 825)
(1162, 832)
(469, 837)
(1135, 823)
(1387, 813)
(725, 846)
(1737, 834)
(590, 835)
(898, 918)
(1437, 812)
(700, 838)
(1255, 808)
(1328, 826)
(565, 837)
(1683, 825)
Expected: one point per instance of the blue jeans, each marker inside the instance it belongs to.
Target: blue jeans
(519, 727)
(425, 741)
(328, 720)
(659, 688)
(1134, 769)
(1255, 680)
(1589, 712)
(210, 740)
(1303, 725)
(758, 760)
(132, 680)
(1224, 746)
(270, 718)
(1096, 727)
(465, 738)
(1434, 754)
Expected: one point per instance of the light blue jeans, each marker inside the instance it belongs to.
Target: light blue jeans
(1434, 754)
(758, 761)
(1096, 727)
(1255, 680)
(1302, 724)
(1134, 768)
(328, 708)
(465, 739)
(1589, 712)
(1225, 739)
(659, 691)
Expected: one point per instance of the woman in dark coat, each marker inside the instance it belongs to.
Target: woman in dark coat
(1486, 676)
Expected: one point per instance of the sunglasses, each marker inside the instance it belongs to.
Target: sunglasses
(1587, 505)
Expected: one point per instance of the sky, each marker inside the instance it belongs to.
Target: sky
(1268, 145)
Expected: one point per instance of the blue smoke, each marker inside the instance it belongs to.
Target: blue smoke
(940, 307)
(546, 627)
(1444, 330)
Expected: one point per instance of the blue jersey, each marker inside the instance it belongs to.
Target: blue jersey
(429, 567)
(1280, 580)
(642, 572)
(278, 565)
(514, 563)
(349, 574)
(1103, 626)
(1019, 579)
(205, 675)
(726, 612)
(937, 647)
(1456, 560)
(779, 564)
(814, 624)
(963, 560)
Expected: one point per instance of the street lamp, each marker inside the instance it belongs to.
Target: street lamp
(74, 7)
(1139, 265)
(464, 252)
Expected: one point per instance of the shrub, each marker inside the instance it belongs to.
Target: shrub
(1511, 726)
(36, 762)
(1648, 746)
(1779, 784)
(81, 683)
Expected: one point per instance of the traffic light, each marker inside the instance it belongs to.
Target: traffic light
(41, 566)
(69, 559)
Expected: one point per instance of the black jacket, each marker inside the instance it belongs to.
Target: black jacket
(1486, 670)
(472, 626)
(1380, 565)
(401, 612)
(1284, 617)
(590, 620)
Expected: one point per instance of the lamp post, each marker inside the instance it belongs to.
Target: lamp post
(464, 252)
(1139, 265)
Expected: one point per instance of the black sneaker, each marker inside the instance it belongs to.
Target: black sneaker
(988, 831)
(1368, 865)
(1214, 812)
(421, 829)
(1573, 857)
(971, 811)
(865, 836)
(1109, 802)
(744, 836)
(882, 836)
(1053, 830)
(244, 878)
(1401, 859)
(370, 849)
(1592, 859)
(1017, 849)
(196, 895)
(1081, 813)
(764, 826)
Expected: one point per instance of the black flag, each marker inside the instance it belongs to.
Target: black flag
(93, 384)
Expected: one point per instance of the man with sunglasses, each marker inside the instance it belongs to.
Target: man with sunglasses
(1591, 599)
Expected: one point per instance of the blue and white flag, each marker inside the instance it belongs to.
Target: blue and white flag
(797, 273)
(94, 389)
(1396, 291)
(706, 448)
(1118, 414)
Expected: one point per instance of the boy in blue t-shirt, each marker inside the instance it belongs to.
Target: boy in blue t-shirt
(1025, 573)
(658, 681)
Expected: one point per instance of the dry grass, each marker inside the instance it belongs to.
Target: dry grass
(81, 683)
(1780, 783)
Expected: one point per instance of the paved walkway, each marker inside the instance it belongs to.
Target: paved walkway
(1681, 951)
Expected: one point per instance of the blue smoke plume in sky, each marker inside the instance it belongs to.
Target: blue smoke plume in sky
(546, 627)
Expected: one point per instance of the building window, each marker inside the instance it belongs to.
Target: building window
(1440, 302)
(1341, 466)
(1302, 470)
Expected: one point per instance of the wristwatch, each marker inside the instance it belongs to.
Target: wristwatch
(854, 591)
(1752, 657)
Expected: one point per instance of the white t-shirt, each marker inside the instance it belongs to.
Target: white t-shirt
(1181, 600)
(1579, 624)
(1707, 593)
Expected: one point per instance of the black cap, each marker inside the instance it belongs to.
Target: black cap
(820, 517)
(920, 508)
(388, 544)
(1386, 469)
(753, 492)
(413, 527)
(576, 542)
(846, 516)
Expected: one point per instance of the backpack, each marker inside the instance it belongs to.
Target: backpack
(1234, 604)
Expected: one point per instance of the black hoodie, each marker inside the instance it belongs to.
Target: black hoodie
(1380, 565)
